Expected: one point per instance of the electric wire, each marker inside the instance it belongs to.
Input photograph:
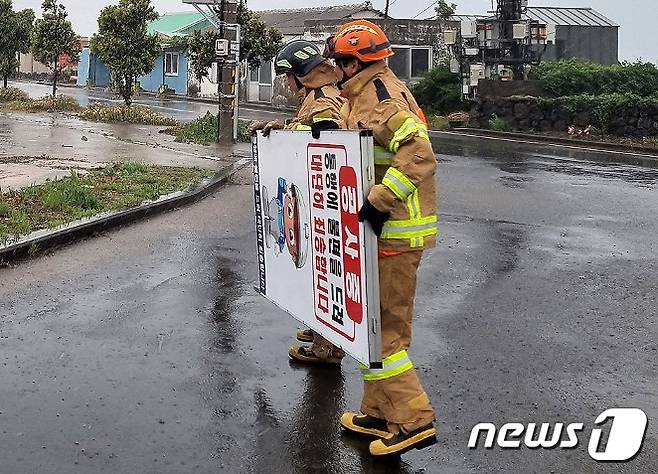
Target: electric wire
(427, 8)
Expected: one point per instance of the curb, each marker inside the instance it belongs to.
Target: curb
(49, 239)
(605, 146)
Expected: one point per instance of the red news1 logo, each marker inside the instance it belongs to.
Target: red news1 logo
(626, 430)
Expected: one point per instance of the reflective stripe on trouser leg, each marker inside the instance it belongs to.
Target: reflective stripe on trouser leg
(393, 365)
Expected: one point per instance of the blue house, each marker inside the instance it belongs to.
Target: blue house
(171, 70)
(92, 71)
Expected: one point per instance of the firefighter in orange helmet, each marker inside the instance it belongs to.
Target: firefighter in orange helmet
(401, 208)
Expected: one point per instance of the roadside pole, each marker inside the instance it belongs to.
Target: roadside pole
(227, 65)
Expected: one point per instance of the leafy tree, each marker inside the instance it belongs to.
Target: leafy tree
(444, 10)
(15, 31)
(257, 42)
(201, 51)
(439, 91)
(53, 37)
(124, 44)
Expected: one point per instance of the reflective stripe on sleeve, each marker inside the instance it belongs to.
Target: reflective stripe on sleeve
(383, 156)
(301, 127)
(408, 128)
(398, 183)
(409, 229)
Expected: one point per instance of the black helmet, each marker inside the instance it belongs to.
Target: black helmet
(298, 57)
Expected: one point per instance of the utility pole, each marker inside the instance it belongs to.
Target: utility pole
(227, 65)
(223, 15)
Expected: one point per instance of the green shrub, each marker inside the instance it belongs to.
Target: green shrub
(203, 130)
(243, 131)
(11, 94)
(574, 77)
(439, 91)
(601, 108)
(498, 124)
(438, 122)
(60, 103)
(126, 114)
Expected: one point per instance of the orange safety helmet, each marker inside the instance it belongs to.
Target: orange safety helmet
(361, 39)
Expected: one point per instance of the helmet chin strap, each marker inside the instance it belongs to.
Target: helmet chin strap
(347, 77)
(344, 79)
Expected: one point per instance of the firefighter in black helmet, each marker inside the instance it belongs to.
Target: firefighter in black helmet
(313, 79)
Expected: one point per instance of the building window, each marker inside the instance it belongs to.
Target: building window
(420, 62)
(410, 62)
(171, 64)
(266, 73)
(253, 74)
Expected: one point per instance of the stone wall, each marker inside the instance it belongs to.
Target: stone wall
(532, 114)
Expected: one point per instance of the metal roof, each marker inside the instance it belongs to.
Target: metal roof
(291, 21)
(169, 24)
(558, 16)
(569, 16)
(468, 17)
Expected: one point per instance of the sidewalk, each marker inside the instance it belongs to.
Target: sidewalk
(37, 147)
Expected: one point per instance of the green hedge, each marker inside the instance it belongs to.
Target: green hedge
(438, 92)
(127, 114)
(603, 110)
(11, 94)
(573, 77)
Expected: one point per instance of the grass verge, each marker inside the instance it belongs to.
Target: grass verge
(17, 101)
(134, 114)
(12, 94)
(114, 187)
(60, 103)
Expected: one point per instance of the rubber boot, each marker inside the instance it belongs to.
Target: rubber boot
(365, 425)
(306, 355)
(403, 442)
(305, 335)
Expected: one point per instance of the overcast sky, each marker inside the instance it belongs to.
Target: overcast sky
(636, 17)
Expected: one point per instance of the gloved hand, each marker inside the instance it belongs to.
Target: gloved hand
(377, 218)
(323, 125)
(256, 125)
(273, 125)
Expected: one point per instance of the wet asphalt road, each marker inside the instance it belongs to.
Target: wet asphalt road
(146, 349)
(180, 109)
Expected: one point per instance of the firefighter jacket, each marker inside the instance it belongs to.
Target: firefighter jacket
(319, 99)
(405, 165)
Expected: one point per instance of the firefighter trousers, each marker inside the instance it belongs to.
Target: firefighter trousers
(394, 393)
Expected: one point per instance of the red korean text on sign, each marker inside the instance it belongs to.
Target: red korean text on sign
(349, 207)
